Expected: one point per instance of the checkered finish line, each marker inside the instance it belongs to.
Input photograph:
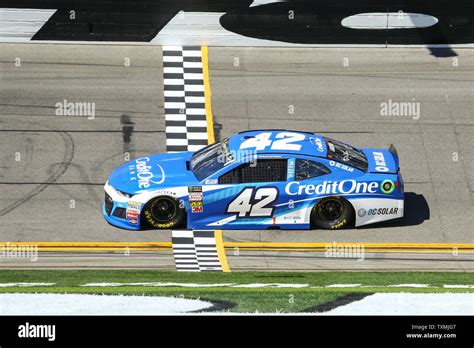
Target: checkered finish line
(185, 100)
(195, 251)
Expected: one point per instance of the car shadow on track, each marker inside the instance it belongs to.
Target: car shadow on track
(416, 211)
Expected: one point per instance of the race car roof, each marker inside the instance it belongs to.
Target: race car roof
(278, 141)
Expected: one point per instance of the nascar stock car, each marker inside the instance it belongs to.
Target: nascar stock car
(258, 180)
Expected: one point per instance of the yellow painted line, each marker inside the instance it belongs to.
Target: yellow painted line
(450, 251)
(90, 244)
(207, 94)
(221, 251)
(101, 249)
(366, 245)
(249, 246)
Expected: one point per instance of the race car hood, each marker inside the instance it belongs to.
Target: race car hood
(153, 172)
(382, 160)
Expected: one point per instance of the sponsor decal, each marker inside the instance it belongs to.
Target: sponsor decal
(195, 204)
(381, 165)
(318, 143)
(268, 156)
(382, 211)
(291, 168)
(133, 212)
(291, 217)
(211, 182)
(328, 187)
(132, 215)
(134, 205)
(362, 212)
(141, 171)
(387, 186)
(341, 166)
(197, 209)
(195, 199)
(194, 188)
(195, 196)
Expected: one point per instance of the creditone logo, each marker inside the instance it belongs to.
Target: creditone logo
(328, 187)
(142, 171)
(318, 143)
(381, 165)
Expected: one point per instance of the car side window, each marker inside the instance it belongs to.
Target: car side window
(307, 169)
(263, 170)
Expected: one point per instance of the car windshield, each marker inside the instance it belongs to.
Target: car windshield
(346, 154)
(210, 159)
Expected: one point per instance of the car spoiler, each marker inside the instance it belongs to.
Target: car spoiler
(394, 153)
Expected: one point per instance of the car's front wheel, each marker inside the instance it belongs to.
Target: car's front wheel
(163, 212)
(332, 213)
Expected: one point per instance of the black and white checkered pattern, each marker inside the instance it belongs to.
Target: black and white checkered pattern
(195, 251)
(185, 102)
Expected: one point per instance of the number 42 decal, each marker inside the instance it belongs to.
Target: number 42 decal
(283, 141)
(253, 202)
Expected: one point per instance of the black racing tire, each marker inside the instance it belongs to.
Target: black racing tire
(163, 212)
(332, 213)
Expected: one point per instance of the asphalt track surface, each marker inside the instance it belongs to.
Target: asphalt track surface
(311, 22)
(54, 192)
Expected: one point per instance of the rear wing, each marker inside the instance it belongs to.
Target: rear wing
(394, 153)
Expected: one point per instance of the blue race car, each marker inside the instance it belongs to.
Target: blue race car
(258, 180)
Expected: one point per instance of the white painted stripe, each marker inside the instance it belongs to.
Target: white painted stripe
(408, 286)
(193, 148)
(174, 82)
(194, 76)
(192, 53)
(182, 234)
(173, 105)
(195, 99)
(343, 285)
(458, 286)
(82, 304)
(203, 242)
(270, 285)
(173, 129)
(192, 64)
(391, 20)
(264, 2)
(22, 24)
(182, 262)
(409, 304)
(194, 88)
(181, 254)
(172, 48)
(173, 59)
(176, 142)
(195, 111)
(197, 136)
(8, 285)
(196, 124)
(174, 93)
(173, 70)
(175, 117)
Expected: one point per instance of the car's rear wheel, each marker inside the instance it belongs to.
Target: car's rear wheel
(332, 213)
(163, 212)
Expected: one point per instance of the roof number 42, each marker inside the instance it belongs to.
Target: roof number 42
(284, 141)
